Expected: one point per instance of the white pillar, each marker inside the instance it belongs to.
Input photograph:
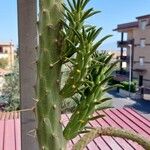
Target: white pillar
(27, 12)
(130, 69)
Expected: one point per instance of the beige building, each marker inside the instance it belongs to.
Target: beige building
(137, 46)
(7, 52)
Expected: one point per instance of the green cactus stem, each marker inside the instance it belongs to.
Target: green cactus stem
(92, 95)
(109, 131)
(48, 106)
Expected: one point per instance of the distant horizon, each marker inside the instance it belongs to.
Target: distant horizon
(117, 12)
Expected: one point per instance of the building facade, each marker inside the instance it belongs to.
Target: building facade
(137, 46)
(7, 51)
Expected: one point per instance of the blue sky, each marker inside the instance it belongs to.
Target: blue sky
(113, 12)
(8, 21)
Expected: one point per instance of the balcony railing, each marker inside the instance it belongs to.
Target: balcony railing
(122, 72)
(124, 58)
(124, 43)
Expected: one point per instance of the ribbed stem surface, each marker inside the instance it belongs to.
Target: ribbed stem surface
(48, 108)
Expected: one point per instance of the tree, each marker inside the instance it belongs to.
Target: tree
(10, 91)
(65, 37)
(3, 63)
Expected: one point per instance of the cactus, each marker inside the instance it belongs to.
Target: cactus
(57, 45)
(65, 37)
(48, 105)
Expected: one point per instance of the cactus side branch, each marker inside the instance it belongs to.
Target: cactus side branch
(110, 131)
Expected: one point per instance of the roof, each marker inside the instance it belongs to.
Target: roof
(131, 25)
(6, 44)
(127, 26)
(124, 118)
(143, 17)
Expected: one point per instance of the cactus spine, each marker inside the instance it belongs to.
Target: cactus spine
(48, 106)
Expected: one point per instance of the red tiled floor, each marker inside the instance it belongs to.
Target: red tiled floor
(10, 136)
(123, 118)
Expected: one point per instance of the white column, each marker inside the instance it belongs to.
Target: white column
(130, 68)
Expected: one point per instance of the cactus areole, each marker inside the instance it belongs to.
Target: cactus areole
(48, 107)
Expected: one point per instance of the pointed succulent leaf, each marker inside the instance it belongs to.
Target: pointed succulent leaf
(103, 107)
(96, 33)
(86, 13)
(76, 100)
(71, 43)
(75, 4)
(111, 87)
(93, 13)
(111, 67)
(97, 117)
(89, 13)
(95, 46)
(85, 2)
(105, 80)
(79, 36)
(84, 131)
(79, 5)
(90, 28)
(66, 8)
(84, 33)
(70, 5)
(69, 18)
(90, 33)
(109, 58)
(88, 127)
(65, 24)
(105, 99)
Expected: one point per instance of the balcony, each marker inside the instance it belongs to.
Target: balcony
(124, 43)
(122, 72)
(122, 75)
(140, 70)
(124, 58)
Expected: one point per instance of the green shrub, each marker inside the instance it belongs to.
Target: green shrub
(10, 89)
(125, 86)
(3, 63)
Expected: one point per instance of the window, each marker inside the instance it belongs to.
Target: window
(141, 61)
(1, 49)
(143, 24)
(142, 43)
(124, 64)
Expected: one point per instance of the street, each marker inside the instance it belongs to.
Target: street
(141, 106)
